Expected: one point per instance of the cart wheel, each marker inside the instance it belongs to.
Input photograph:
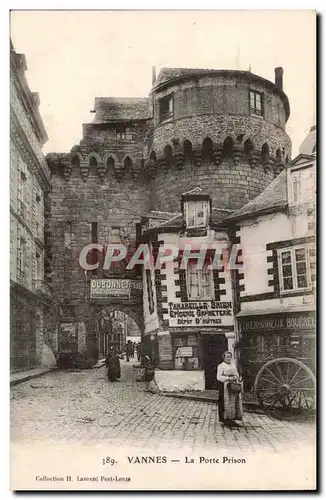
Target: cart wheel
(286, 383)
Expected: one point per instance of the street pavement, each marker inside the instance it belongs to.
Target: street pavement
(84, 407)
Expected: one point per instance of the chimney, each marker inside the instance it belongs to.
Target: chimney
(153, 75)
(279, 78)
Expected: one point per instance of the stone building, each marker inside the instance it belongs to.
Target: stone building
(221, 131)
(29, 187)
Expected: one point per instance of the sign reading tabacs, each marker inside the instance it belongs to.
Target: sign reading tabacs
(200, 314)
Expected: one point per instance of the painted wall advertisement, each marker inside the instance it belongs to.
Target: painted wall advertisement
(114, 288)
(200, 314)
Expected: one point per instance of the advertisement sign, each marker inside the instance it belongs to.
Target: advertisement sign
(200, 314)
(277, 322)
(110, 288)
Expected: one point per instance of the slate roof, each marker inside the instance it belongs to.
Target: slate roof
(218, 215)
(308, 147)
(110, 109)
(167, 74)
(273, 197)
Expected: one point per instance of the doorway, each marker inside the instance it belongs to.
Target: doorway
(213, 346)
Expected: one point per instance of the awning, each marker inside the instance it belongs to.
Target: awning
(279, 310)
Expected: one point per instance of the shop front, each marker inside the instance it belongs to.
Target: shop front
(192, 346)
(271, 336)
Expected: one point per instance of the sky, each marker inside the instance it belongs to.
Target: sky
(75, 56)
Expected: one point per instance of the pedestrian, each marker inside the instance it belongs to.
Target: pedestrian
(113, 365)
(128, 350)
(138, 351)
(229, 391)
(149, 370)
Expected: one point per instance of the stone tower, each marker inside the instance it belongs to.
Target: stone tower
(219, 129)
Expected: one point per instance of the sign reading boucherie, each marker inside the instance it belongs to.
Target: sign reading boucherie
(200, 314)
(100, 289)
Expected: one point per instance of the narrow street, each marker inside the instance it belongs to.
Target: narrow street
(85, 408)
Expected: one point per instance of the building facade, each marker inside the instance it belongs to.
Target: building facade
(276, 303)
(220, 131)
(31, 332)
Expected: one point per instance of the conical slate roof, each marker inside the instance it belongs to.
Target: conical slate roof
(308, 147)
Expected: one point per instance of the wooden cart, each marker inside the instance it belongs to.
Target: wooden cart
(279, 377)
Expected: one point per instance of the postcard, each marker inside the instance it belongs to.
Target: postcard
(163, 250)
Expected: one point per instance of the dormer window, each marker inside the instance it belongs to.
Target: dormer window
(123, 133)
(166, 107)
(196, 213)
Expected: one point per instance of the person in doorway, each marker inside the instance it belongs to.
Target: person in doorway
(229, 402)
(113, 365)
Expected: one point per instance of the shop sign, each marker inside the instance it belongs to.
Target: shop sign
(184, 352)
(200, 314)
(274, 323)
(110, 288)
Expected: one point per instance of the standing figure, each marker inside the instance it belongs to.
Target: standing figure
(128, 350)
(229, 401)
(113, 365)
(149, 370)
(138, 351)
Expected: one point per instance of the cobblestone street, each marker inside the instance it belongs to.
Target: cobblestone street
(85, 408)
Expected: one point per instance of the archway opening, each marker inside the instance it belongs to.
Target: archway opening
(152, 159)
(187, 150)
(228, 147)
(167, 154)
(278, 156)
(207, 149)
(110, 164)
(116, 328)
(248, 149)
(92, 161)
(265, 154)
(128, 164)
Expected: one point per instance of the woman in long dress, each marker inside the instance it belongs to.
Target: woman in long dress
(229, 403)
(113, 365)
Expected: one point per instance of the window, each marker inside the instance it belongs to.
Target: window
(149, 291)
(22, 261)
(256, 103)
(38, 266)
(302, 184)
(196, 213)
(21, 193)
(200, 285)
(38, 215)
(294, 269)
(185, 352)
(166, 107)
(123, 133)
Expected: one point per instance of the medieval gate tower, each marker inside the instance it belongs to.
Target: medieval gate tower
(222, 130)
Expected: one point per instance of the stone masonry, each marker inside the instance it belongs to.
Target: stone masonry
(132, 160)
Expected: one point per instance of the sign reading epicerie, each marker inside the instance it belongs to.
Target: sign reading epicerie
(200, 314)
(100, 289)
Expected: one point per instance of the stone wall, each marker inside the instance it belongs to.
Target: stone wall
(221, 94)
(230, 186)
